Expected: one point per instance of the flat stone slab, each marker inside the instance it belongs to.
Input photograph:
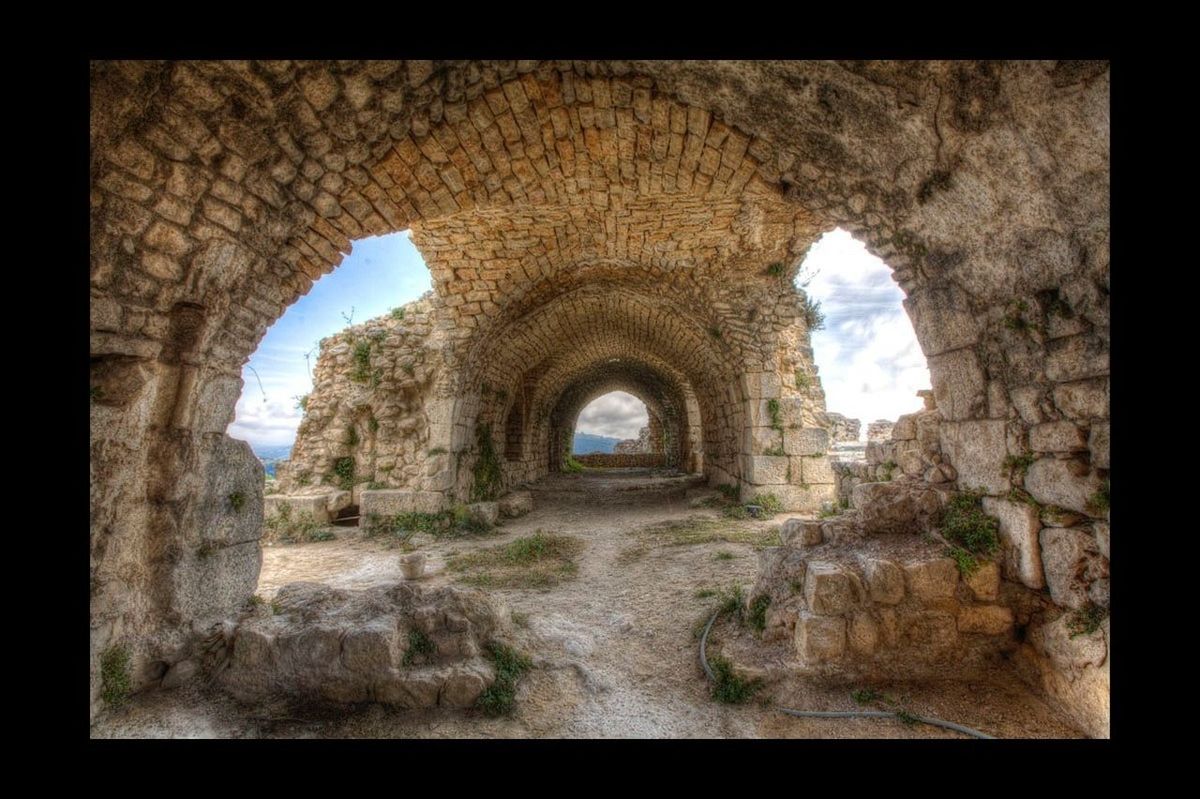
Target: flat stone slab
(391, 501)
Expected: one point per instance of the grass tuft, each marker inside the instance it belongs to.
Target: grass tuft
(116, 682)
(501, 695)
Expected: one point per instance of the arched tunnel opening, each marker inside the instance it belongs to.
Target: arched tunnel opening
(591, 227)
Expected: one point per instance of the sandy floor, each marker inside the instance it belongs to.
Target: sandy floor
(614, 648)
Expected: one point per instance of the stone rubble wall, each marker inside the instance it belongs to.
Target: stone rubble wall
(842, 428)
(634, 446)
(879, 430)
(621, 459)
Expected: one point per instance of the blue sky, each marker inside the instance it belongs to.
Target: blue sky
(870, 364)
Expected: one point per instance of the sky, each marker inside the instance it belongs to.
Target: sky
(868, 358)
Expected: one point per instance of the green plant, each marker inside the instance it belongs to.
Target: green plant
(813, 316)
(420, 646)
(343, 472)
(757, 616)
(115, 680)
(1015, 318)
(733, 602)
(723, 555)
(397, 314)
(488, 475)
(373, 424)
(1097, 504)
(705, 593)
(729, 491)
(906, 717)
(770, 503)
(802, 379)
(864, 696)
(1017, 466)
(237, 501)
(776, 415)
(1086, 620)
(776, 450)
(352, 437)
(276, 608)
(301, 529)
(302, 403)
(510, 666)
(1023, 496)
(715, 332)
(437, 451)
(966, 562)
(362, 362)
(727, 686)
(796, 586)
(375, 485)
(257, 601)
(965, 524)
(735, 512)
(572, 466)
(888, 469)
(776, 269)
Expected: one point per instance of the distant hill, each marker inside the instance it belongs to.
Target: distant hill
(586, 443)
(271, 453)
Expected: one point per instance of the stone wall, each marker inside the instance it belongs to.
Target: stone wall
(221, 190)
(842, 428)
(621, 459)
(879, 430)
(635, 446)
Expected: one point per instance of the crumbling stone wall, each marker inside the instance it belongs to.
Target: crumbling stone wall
(842, 428)
(879, 430)
(222, 190)
(636, 446)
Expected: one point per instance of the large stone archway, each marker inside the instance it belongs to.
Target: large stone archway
(220, 191)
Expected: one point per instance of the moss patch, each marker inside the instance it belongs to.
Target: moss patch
(116, 682)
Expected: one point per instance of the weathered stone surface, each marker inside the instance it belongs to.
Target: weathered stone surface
(1056, 437)
(896, 507)
(820, 639)
(800, 499)
(800, 533)
(828, 590)
(484, 512)
(977, 450)
(1072, 561)
(960, 387)
(1066, 483)
(814, 470)
(985, 619)
(931, 579)
(984, 582)
(1019, 526)
(806, 441)
(388, 502)
(329, 645)
(863, 634)
(886, 581)
(1098, 443)
(515, 504)
(767, 470)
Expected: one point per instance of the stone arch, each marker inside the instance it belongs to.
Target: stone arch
(222, 190)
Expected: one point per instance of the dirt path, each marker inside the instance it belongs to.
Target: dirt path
(614, 648)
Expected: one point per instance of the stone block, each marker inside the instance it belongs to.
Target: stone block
(805, 441)
(828, 590)
(819, 639)
(313, 505)
(943, 318)
(905, 428)
(760, 440)
(799, 499)
(516, 503)
(1066, 483)
(930, 629)
(958, 385)
(799, 533)
(760, 385)
(1056, 437)
(1019, 526)
(885, 581)
(985, 620)
(1098, 444)
(813, 470)
(931, 580)
(1083, 399)
(1072, 562)
(389, 502)
(484, 512)
(463, 686)
(984, 582)
(900, 507)
(863, 634)
(767, 470)
(977, 450)
(1076, 358)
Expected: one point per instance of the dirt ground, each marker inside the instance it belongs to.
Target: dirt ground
(614, 649)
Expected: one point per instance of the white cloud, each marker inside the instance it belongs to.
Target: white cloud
(870, 363)
(616, 414)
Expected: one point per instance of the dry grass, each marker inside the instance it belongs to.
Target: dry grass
(538, 561)
(698, 530)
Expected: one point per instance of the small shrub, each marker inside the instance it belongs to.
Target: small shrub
(964, 560)
(906, 717)
(776, 450)
(1098, 503)
(735, 512)
(115, 680)
(802, 379)
(865, 696)
(237, 501)
(420, 647)
(343, 473)
(1016, 466)
(728, 687)
(965, 524)
(362, 362)
(776, 269)
(813, 315)
(302, 403)
(510, 666)
(770, 503)
(757, 616)
(705, 593)
(1015, 318)
(1086, 620)
(733, 602)
(729, 491)
(887, 470)
(1021, 495)
(723, 555)
(257, 601)
(572, 466)
(397, 314)
(776, 415)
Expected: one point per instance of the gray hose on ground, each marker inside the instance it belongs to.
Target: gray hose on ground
(840, 714)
